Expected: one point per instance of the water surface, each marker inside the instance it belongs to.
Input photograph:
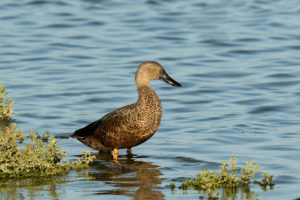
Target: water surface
(68, 63)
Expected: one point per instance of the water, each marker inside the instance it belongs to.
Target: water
(67, 63)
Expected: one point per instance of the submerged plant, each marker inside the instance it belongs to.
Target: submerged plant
(5, 105)
(211, 183)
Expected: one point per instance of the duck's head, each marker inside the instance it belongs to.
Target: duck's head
(152, 70)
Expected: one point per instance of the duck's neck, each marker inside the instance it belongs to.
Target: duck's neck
(142, 81)
(147, 97)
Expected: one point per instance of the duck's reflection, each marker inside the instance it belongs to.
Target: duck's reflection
(129, 177)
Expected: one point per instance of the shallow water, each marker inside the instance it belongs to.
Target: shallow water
(67, 63)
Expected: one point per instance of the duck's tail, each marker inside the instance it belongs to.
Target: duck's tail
(85, 131)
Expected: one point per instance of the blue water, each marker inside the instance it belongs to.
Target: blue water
(68, 63)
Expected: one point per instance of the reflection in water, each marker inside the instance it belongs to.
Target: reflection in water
(133, 178)
(233, 193)
(34, 187)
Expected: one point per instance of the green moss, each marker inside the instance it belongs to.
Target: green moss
(228, 179)
(6, 109)
(36, 155)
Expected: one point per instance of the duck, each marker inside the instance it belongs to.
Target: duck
(133, 124)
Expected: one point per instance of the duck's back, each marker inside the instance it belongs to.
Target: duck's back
(125, 127)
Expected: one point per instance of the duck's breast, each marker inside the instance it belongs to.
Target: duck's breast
(133, 124)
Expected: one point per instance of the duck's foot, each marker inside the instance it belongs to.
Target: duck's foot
(115, 155)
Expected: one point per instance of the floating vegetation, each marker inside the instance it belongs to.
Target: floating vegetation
(6, 109)
(36, 155)
(227, 181)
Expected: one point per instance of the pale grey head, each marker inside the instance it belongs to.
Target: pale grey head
(151, 70)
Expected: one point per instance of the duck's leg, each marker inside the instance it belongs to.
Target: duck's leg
(129, 151)
(115, 154)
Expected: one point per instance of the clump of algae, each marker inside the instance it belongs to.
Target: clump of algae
(36, 155)
(227, 179)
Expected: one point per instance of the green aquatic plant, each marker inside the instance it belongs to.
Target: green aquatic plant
(227, 179)
(6, 109)
(36, 155)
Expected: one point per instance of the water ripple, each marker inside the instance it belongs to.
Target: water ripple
(67, 63)
(264, 109)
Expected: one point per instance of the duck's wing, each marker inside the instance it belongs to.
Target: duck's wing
(87, 130)
(110, 122)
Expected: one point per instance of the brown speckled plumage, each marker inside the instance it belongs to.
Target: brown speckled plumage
(133, 124)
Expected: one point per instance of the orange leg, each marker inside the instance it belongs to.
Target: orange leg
(129, 151)
(115, 154)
